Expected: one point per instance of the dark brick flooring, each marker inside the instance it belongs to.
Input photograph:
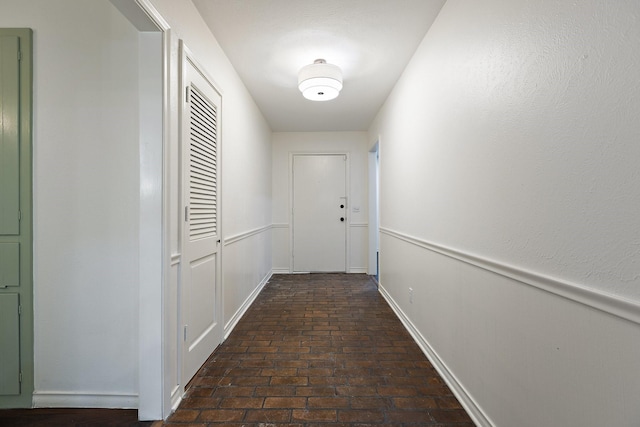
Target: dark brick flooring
(319, 350)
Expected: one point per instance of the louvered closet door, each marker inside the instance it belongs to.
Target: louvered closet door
(200, 284)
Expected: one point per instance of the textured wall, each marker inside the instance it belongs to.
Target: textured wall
(509, 155)
(523, 132)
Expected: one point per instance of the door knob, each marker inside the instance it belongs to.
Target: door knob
(341, 206)
(342, 219)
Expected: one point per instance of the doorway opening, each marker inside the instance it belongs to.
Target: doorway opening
(374, 211)
(155, 389)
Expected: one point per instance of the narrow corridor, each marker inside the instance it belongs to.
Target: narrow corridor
(319, 349)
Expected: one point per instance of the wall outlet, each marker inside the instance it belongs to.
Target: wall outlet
(411, 295)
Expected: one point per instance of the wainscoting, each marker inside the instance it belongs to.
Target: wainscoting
(357, 248)
(245, 272)
(504, 338)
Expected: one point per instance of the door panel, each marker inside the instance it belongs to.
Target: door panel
(200, 282)
(9, 136)
(9, 264)
(9, 344)
(319, 213)
(202, 317)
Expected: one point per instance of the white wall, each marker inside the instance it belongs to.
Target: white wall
(245, 177)
(509, 202)
(353, 143)
(86, 189)
(87, 194)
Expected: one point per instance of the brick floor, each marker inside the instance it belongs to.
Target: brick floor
(319, 350)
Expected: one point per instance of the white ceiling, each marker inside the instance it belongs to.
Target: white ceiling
(268, 41)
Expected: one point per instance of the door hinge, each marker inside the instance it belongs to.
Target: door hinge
(186, 95)
(19, 215)
(185, 332)
(19, 310)
(186, 213)
(19, 55)
(20, 376)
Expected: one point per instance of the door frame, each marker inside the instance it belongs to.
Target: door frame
(187, 56)
(292, 154)
(155, 389)
(374, 208)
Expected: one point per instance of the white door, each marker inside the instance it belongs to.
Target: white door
(319, 213)
(200, 274)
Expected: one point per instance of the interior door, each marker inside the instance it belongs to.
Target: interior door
(319, 213)
(200, 272)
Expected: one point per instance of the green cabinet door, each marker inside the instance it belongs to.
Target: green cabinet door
(9, 344)
(9, 264)
(9, 135)
(16, 259)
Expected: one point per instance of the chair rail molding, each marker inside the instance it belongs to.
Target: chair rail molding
(611, 304)
(245, 235)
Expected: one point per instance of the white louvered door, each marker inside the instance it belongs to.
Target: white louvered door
(200, 292)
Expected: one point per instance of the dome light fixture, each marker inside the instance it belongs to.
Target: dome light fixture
(320, 81)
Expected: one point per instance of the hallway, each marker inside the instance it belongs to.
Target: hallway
(319, 349)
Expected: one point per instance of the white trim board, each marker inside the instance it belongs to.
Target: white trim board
(241, 236)
(611, 304)
(175, 397)
(153, 30)
(62, 399)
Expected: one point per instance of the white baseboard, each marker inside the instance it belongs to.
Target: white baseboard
(356, 270)
(60, 399)
(176, 398)
(245, 306)
(474, 411)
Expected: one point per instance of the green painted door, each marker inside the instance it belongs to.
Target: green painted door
(10, 344)
(16, 288)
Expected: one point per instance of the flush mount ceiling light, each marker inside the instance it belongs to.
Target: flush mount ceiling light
(320, 81)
